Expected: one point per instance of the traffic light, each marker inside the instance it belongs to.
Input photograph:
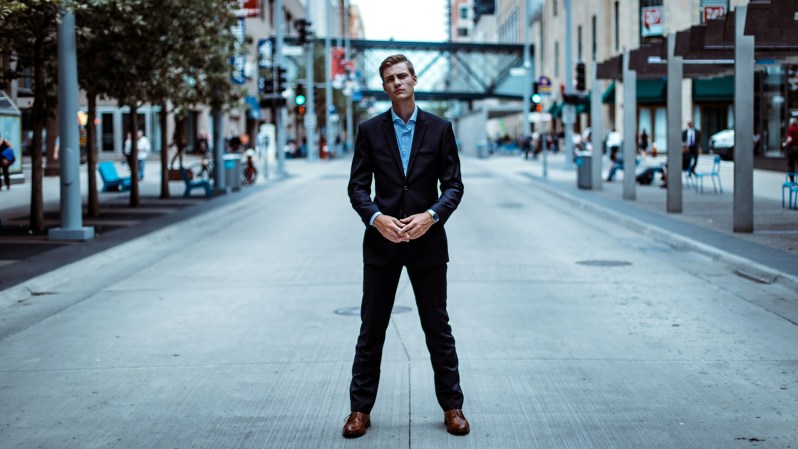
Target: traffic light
(536, 98)
(280, 78)
(268, 86)
(580, 77)
(301, 110)
(299, 98)
(303, 28)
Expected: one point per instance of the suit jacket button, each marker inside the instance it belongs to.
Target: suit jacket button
(404, 187)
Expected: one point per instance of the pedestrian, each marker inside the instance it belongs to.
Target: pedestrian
(7, 159)
(202, 142)
(643, 141)
(614, 142)
(526, 145)
(791, 147)
(407, 152)
(691, 146)
(143, 148)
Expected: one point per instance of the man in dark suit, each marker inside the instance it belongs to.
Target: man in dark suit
(407, 152)
(691, 142)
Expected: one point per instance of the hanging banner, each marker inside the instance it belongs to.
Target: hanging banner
(651, 21)
(337, 56)
(239, 59)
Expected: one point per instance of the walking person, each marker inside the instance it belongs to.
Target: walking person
(7, 159)
(691, 142)
(791, 148)
(143, 148)
(406, 152)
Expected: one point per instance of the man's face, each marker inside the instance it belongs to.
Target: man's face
(689, 124)
(398, 83)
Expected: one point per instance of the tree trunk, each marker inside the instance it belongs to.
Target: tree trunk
(91, 157)
(135, 198)
(51, 165)
(164, 153)
(38, 115)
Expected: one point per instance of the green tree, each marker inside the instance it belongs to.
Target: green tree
(29, 32)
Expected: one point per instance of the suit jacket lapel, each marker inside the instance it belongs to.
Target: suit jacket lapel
(418, 137)
(393, 145)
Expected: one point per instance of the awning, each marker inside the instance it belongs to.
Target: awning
(608, 97)
(720, 89)
(651, 91)
(582, 108)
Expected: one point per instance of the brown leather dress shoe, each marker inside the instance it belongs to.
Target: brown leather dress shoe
(456, 422)
(356, 424)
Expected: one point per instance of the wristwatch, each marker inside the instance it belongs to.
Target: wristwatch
(435, 217)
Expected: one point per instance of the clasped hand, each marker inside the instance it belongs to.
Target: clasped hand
(404, 230)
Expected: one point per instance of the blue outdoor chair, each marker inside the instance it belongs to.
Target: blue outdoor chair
(713, 174)
(111, 179)
(792, 188)
(195, 184)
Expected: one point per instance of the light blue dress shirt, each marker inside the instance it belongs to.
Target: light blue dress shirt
(404, 138)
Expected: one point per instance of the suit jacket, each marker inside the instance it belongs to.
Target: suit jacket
(433, 159)
(697, 142)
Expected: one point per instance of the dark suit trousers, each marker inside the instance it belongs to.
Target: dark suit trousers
(693, 152)
(379, 292)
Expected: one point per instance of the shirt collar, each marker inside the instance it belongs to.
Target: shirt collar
(412, 120)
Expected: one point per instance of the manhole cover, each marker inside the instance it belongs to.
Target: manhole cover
(355, 311)
(604, 263)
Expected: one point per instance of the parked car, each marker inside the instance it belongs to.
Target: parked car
(722, 144)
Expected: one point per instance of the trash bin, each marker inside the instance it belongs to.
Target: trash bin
(584, 163)
(232, 171)
(482, 150)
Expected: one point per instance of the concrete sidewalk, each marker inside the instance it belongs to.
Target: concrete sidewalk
(705, 225)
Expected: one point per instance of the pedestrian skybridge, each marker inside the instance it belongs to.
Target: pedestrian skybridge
(445, 70)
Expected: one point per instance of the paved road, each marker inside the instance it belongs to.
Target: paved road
(573, 332)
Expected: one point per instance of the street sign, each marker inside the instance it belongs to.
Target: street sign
(544, 86)
(293, 50)
(539, 117)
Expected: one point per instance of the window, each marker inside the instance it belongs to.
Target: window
(462, 32)
(579, 42)
(617, 28)
(593, 44)
(555, 7)
(463, 11)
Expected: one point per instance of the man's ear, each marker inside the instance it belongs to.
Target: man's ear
(415, 80)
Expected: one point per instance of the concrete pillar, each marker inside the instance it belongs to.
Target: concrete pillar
(596, 130)
(629, 128)
(69, 147)
(675, 73)
(743, 125)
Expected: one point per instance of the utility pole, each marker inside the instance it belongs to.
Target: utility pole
(527, 73)
(71, 204)
(568, 110)
(310, 116)
(349, 114)
(328, 93)
(280, 117)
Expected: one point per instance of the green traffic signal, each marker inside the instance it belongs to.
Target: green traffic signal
(536, 98)
(299, 100)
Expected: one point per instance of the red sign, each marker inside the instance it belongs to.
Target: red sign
(713, 13)
(337, 57)
(651, 21)
(248, 8)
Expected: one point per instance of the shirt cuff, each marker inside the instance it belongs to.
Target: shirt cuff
(371, 221)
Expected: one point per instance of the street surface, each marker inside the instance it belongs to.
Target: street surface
(573, 331)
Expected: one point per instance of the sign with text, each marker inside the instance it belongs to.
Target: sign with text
(651, 21)
(239, 59)
(544, 85)
(248, 8)
(713, 12)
